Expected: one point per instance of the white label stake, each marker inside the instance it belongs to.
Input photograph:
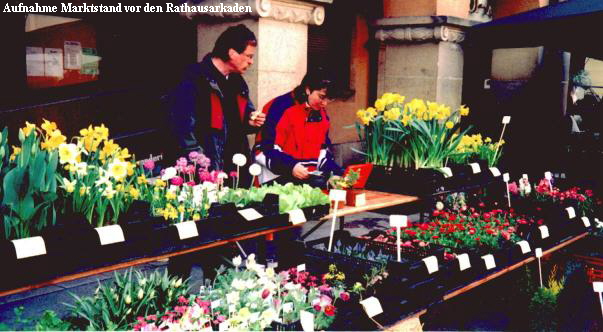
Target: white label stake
(398, 221)
(335, 196)
(506, 179)
(110, 234)
(297, 216)
(431, 263)
(495, 172)
(250, 214)
(464, 262)
(187, 230)
(475, 168)
(538, 255)
(571, 213)
(586, 222)
(525, 246)
(544, 232)
(549, 177)
(489, 261)
(29, 247)
(372, 306)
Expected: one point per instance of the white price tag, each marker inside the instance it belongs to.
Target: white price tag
(525, 247)
(360, 199)
(397, 220)
(250, 214)
(538, 252)
(431, 263)
(215, 304)
(224, 326)
(489, 260)
(506, 119)
(506, 177)
(307, 321)
(110, 234)
(29, 247)
(337, 195)
(301, 267)
(544, 232)
(598, 286)
(372, 306)
(548, 176)
(447, 172)
(495, 172)
(475, 168)
(464, 262)
(571, 213)
(187, 229)
(297, 216)
(586, 221)
(288, 307)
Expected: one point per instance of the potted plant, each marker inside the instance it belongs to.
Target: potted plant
(346, 183)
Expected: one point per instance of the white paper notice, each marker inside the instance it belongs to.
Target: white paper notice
(571, 213)
(586, 221)
(337, 195)
(431, 263)
(538, 252)
(544, 232)
(73, 55)
(34, 60)
(250, 214)
(475, 167)
(464, 262)
(397, 220)
(307, 321)
(447, 172)
(548, 176)
(297, 216)
(506, 177)
(301, 267)
(360, 200)
(489, 260)
(506, 119)
(495, 172)
(187, 229)
(372, 306)
(110, 234)
(525, 246)
(53, 62)
(29, 247)
(598, 286)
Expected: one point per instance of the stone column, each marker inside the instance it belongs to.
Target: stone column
(281, 27)
(422, 57)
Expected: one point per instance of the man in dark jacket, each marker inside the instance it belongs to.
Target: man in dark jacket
(210, 109)
(211, 112)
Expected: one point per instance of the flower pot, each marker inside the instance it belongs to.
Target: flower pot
(355, 197)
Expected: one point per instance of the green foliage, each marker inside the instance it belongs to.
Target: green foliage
(30, 189)
(543, 306)
(50, 321)
(116, 306)
(291, 196)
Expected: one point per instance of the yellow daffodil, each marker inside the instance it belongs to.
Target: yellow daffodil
(160, 183)
(196, 217)
(130, 166)
(84, 190)
(449, 124)
(28, 129)
(488, 140)
(109, 192)
(16, 151)
(67, 153)
(109, 149)
(48, 126)
(392, 114)
(134, 193)
(181, 208)
(464, 110)
(53, 140)
(141, 179)
(69, 186)
(123, 154)
(102, 132)
(118, 169)
(380, 104)
(170, 195)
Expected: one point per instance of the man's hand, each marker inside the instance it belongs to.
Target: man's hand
(300, 172)
(257, 119)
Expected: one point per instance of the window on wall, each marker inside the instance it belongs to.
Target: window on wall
(329, 44)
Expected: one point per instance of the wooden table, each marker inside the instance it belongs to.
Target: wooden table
(140, 261)
(375, 200)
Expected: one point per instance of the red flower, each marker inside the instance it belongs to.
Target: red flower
(265, 293)
(317, 307)
(410, 232)
(471, 231)
(481, 204)
(486, 215)
(489, 231)
(435, 237)
(330, 310)
(424, 227)
(345, 296)
(452, 217)
(177, 180)
(477, 239)
(436, 213)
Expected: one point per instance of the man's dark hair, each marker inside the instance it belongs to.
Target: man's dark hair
(316, 79)
(237, 37)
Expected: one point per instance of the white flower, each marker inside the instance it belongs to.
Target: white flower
(238, 284)
(289, 286)
(255, 169)
(237, 261)
(222, 175)
(81, 168)
(439, 206)
(249, 283)
(68, 153)
(128, 299)
(239, 159)
(178, 283)
(118, 169)
(169, 173)
(232, 297)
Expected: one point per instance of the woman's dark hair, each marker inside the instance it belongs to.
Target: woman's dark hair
(316, 79)
(237, 37)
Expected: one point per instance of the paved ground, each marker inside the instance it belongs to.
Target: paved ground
(35, 302)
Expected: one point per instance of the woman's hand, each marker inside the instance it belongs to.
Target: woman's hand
(257, 119)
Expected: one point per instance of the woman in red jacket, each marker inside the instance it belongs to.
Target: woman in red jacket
(294, 144)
